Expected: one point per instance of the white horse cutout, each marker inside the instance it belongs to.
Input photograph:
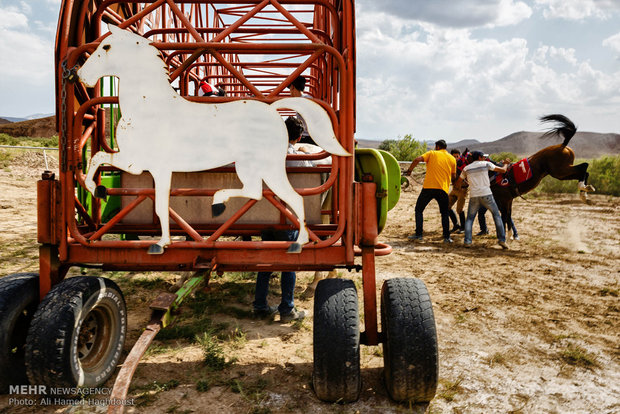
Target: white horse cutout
(161, 132)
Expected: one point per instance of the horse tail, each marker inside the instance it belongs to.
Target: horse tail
(319, 124)
(563, 126)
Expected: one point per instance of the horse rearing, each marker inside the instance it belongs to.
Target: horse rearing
(161, 132)
(556, 161)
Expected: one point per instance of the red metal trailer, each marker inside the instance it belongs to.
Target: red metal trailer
(253, 49)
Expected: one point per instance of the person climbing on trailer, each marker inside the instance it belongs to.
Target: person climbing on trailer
(287, 309)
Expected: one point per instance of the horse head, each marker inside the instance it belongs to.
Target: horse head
(465, 157)
(111, 56)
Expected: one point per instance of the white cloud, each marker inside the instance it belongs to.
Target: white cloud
(444, 83)
(27, 83)
(29, 54)
(613, 42)
(11, 19)
(454, 13)
(26, 8)
(578, 9)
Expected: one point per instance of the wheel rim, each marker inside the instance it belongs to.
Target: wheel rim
(94, 337)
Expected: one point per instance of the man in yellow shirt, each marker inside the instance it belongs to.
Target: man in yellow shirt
(440, 171)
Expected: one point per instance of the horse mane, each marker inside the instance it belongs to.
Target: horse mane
(563, 126)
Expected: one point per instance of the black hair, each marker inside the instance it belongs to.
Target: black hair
(455, 151)
(294, 128)
(441, 144)
(299, 83)
(476, 155)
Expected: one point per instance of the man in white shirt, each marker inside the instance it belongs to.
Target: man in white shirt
(477, 175)
(294, 127)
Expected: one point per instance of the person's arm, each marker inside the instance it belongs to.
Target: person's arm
(458, 182)
(500, 169)
(453, 171)
(413, 164)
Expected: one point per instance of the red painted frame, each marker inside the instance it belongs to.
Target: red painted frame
(202, 38)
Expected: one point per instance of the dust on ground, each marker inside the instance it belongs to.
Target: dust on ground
(531, 329)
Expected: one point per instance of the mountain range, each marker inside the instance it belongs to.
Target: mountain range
(522, 144)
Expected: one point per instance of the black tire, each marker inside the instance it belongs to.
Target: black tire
(336, 375)
(410, 354)
(19, 297)
(77, 334)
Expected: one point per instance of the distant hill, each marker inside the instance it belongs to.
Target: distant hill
(13, 119)
(4, 121)
(585, 144)
(38, 115)
(42, 127)
(368, 143)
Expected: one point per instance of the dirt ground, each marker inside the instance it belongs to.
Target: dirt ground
(535, 329)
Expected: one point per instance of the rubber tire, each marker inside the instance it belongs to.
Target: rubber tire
(336, 375)
(411, 361)
(52, 356)
(19, 297)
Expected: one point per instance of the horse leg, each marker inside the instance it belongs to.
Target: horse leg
(252, 187)
(318, 276)
(117, 160)
(281, 186)
(508, 221)
(162, 202)
(576, 172)
(503, 205)
(95, 162)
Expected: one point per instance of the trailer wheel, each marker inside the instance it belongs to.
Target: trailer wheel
(77, 334)
(410, 341)
(336, 375)
(19, 297)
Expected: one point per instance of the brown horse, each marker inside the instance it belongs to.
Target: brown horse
(556, 161)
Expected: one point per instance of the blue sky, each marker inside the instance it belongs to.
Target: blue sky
(452, 69)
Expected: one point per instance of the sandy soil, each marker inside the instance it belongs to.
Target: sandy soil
(532, 329)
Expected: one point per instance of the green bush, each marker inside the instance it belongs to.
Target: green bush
(404, 149)
(605, 175)
(5, 158)
(6, 139)
(552, 185)
(502, 156)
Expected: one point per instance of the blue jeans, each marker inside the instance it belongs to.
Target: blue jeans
(483, 222)
(287, 281)
(287, 284)
(472, 208)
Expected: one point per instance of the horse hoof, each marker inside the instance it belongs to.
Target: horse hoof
(589, 188)
(217, 209)
(155, 249)
(294, 248)
(583, 196)
(101, 192)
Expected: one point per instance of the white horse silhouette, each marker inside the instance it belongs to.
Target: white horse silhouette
(161, 132)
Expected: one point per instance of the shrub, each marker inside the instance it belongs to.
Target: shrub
(6, 139)
(499, 157)
(404, 149)
(605, 175)
(550, 185)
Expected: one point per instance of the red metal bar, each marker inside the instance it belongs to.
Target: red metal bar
(370, 296)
